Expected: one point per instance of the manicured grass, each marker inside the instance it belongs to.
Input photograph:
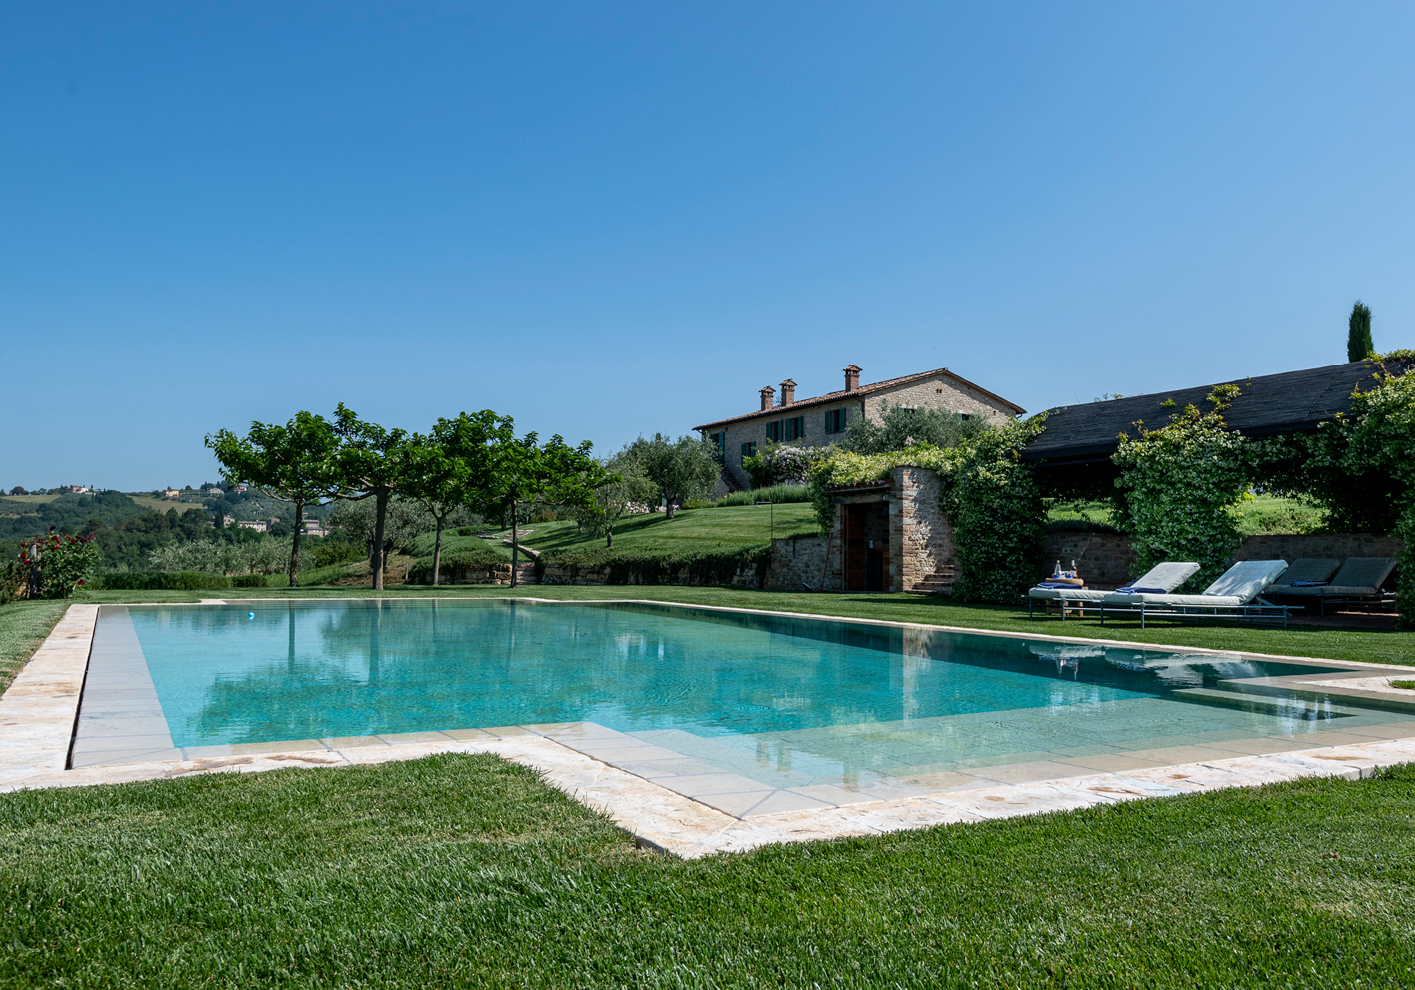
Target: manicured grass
(1406, 685)
(465, 871)
(452, 543)
(689, 530)
(23, 626)
(1270, 514)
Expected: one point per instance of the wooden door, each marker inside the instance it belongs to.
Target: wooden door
(854, 548)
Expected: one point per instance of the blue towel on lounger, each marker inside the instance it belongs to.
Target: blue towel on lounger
(1309, 584)
(1141, 591)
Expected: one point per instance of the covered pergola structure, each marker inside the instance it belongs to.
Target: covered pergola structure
(1073, 453)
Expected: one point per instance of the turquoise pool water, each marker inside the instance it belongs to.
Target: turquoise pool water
(788, 701)
(275, 671)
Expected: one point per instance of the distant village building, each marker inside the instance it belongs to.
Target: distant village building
(259, 525)
(213, 490)
(78, 489)
(314, 527)
(241, 489)
(170, 493)
(822, 420)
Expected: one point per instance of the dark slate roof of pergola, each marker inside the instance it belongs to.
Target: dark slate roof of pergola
(1291, 401)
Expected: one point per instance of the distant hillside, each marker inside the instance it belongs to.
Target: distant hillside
(20, 517)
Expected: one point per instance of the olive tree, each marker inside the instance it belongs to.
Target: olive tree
(678, 469)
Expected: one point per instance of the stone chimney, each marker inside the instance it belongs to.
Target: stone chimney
(768, 394)
(852, 377)
(788, 392)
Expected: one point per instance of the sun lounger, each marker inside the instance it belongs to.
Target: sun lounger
(1234, 593)
(1305, 572)
(1162, 577)
(1358, 582)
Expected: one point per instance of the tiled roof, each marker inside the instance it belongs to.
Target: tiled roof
(860, 393)
(1293, 400)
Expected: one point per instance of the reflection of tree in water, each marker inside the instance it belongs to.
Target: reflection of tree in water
(393, 667)
(276, 703)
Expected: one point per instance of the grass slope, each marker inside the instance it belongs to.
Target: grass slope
(1257, 515)
(689, 531)
(466, 871)
(163, 504)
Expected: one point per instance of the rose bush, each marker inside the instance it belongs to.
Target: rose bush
(61, 562)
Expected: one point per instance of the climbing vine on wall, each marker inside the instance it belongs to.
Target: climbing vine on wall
(993, 499)
(989, 494)
(1378, 437)
(1183, 483)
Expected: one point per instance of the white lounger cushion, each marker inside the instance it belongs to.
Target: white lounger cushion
(1239, 585)
(1169, 575)
(1114, 599)
(1070, 594)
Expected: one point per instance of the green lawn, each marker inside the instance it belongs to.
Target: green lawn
(466, 871)
(688, 530)
(23, 626)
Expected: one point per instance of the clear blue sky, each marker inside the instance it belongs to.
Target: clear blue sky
(607, 219)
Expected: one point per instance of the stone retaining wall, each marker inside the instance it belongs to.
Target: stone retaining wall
(1106, 560)
(795, 561)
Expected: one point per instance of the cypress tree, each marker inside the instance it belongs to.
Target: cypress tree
(1358, 336)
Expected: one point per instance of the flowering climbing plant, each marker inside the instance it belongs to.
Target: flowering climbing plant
(782, 464)
(1183, 484)
(63, 563)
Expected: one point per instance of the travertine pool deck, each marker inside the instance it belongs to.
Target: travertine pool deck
(668, 799)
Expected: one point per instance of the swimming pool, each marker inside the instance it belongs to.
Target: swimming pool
(708, 702)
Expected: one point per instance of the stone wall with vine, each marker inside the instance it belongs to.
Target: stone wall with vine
(988, 493)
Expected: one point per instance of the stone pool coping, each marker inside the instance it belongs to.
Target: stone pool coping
(39, 711)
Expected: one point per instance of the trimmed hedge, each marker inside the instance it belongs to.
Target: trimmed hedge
(457, 561)
(161, 581)
(707, 566)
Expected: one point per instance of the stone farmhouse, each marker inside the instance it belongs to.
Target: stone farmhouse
(822, 420)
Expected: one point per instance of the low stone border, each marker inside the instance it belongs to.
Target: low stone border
(663, 820)
(38, 710)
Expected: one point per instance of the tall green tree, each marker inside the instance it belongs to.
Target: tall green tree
(1359, 345)
(518, 470)
(446, 469)
(292, 463)
(679, 469)
(370, 462)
